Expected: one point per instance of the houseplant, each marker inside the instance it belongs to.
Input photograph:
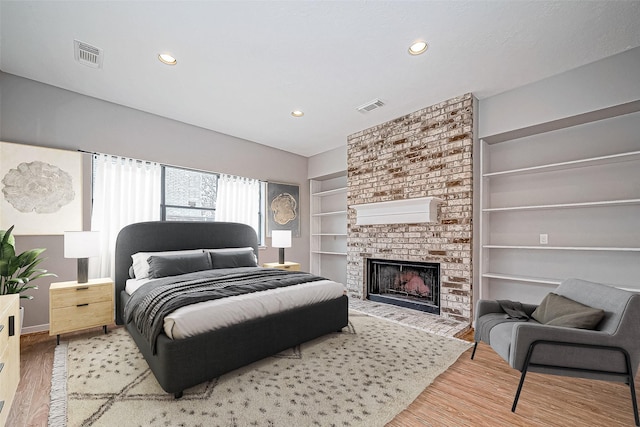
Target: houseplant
(18, 271)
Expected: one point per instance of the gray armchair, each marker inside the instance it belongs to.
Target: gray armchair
(610, 352)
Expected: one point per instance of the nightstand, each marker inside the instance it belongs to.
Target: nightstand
(292, 266)
(74, 306)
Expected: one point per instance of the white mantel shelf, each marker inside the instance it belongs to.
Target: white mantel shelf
(406, 211)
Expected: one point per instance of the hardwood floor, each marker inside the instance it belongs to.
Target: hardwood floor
(471, 393)
(31, 403)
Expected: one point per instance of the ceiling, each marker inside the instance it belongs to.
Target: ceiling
(243, 66)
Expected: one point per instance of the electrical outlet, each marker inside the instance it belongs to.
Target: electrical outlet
(544, 239)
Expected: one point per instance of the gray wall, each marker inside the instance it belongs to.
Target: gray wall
(605, 83)
(39, 114)
(328, 164)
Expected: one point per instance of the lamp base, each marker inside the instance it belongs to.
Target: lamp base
(83, 270)
(281, 256)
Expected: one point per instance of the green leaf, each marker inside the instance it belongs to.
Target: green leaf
(16, 272)
(6, 237)
(27, 257)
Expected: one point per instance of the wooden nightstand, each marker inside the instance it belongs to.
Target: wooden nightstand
(74, 306)
(292, 266)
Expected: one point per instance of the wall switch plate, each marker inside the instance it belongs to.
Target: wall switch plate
(544, 239)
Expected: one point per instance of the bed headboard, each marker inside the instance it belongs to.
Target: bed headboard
(156, 236)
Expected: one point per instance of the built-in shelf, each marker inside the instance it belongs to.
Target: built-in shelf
(328, 240)
(526, 279)
(540, 280)
(330, 213)
(329, 253)
(550, 167)
(566, 205)
(564, 248)
(330, 192)
(588, 204)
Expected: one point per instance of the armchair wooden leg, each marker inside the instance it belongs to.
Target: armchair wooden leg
(474, 350)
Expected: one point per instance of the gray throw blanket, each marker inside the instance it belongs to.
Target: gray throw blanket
(513, 309)
(149, 305)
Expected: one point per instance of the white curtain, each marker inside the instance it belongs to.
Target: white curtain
(124, 191)
(238, 200)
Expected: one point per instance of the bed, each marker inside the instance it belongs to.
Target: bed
(182, 363)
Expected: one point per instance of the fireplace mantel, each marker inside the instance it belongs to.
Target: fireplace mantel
(405, 211)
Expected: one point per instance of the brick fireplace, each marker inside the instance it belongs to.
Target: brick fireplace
(427, 153)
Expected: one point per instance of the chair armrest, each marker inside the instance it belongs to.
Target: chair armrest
(486, 306)
(524, 334)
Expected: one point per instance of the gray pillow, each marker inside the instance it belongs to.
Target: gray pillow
(556, 310)
(174, 265)
(233, 259)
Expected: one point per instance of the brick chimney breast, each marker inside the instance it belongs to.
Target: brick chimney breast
(427, 153)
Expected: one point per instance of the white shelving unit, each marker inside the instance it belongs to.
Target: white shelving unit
(580, 186)
(329, 228)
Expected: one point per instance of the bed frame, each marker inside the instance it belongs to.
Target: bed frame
(180, 364)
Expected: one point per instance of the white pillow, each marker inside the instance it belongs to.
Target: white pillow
(141, 265)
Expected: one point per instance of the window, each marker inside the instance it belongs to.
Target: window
(127, 191)
(188, 195)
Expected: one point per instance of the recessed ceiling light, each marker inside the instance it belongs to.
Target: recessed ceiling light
(297, 113)
(418, 47)
(165, 58)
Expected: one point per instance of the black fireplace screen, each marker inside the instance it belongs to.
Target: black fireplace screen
(414, 283)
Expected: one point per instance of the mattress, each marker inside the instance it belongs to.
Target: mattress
(211, 315)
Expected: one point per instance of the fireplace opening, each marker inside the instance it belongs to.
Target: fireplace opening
(408, 284)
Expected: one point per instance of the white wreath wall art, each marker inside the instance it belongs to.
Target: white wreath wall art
(41, 189)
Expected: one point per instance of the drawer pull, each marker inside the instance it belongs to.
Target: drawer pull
(12, 325)
(1, 366)
(1, 405)
(82, 305)
(1, 328)
(84, 288)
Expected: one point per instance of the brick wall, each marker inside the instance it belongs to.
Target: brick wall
(425, 153)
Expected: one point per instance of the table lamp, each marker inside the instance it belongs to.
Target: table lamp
(82, 245)
(281, 239)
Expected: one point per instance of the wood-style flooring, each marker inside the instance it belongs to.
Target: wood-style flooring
(475, 392)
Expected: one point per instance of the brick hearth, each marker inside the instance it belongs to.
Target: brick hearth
(425, 153)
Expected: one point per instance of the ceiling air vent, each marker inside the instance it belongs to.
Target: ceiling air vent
(88, 55)
(371, 105)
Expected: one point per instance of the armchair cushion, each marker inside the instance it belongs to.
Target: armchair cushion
(557, 310)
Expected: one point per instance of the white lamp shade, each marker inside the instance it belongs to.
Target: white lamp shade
(81, 244)
(281, 238)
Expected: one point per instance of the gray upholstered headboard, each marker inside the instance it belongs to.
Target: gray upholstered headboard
(158, 236)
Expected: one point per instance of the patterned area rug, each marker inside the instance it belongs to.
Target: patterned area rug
(363, 376)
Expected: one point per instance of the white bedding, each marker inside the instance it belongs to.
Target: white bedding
(210, 315)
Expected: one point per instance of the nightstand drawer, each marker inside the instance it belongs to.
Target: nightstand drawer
(84, 315)
(81, 294)
(9, 374)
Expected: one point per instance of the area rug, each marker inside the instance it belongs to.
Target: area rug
(363, 376)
